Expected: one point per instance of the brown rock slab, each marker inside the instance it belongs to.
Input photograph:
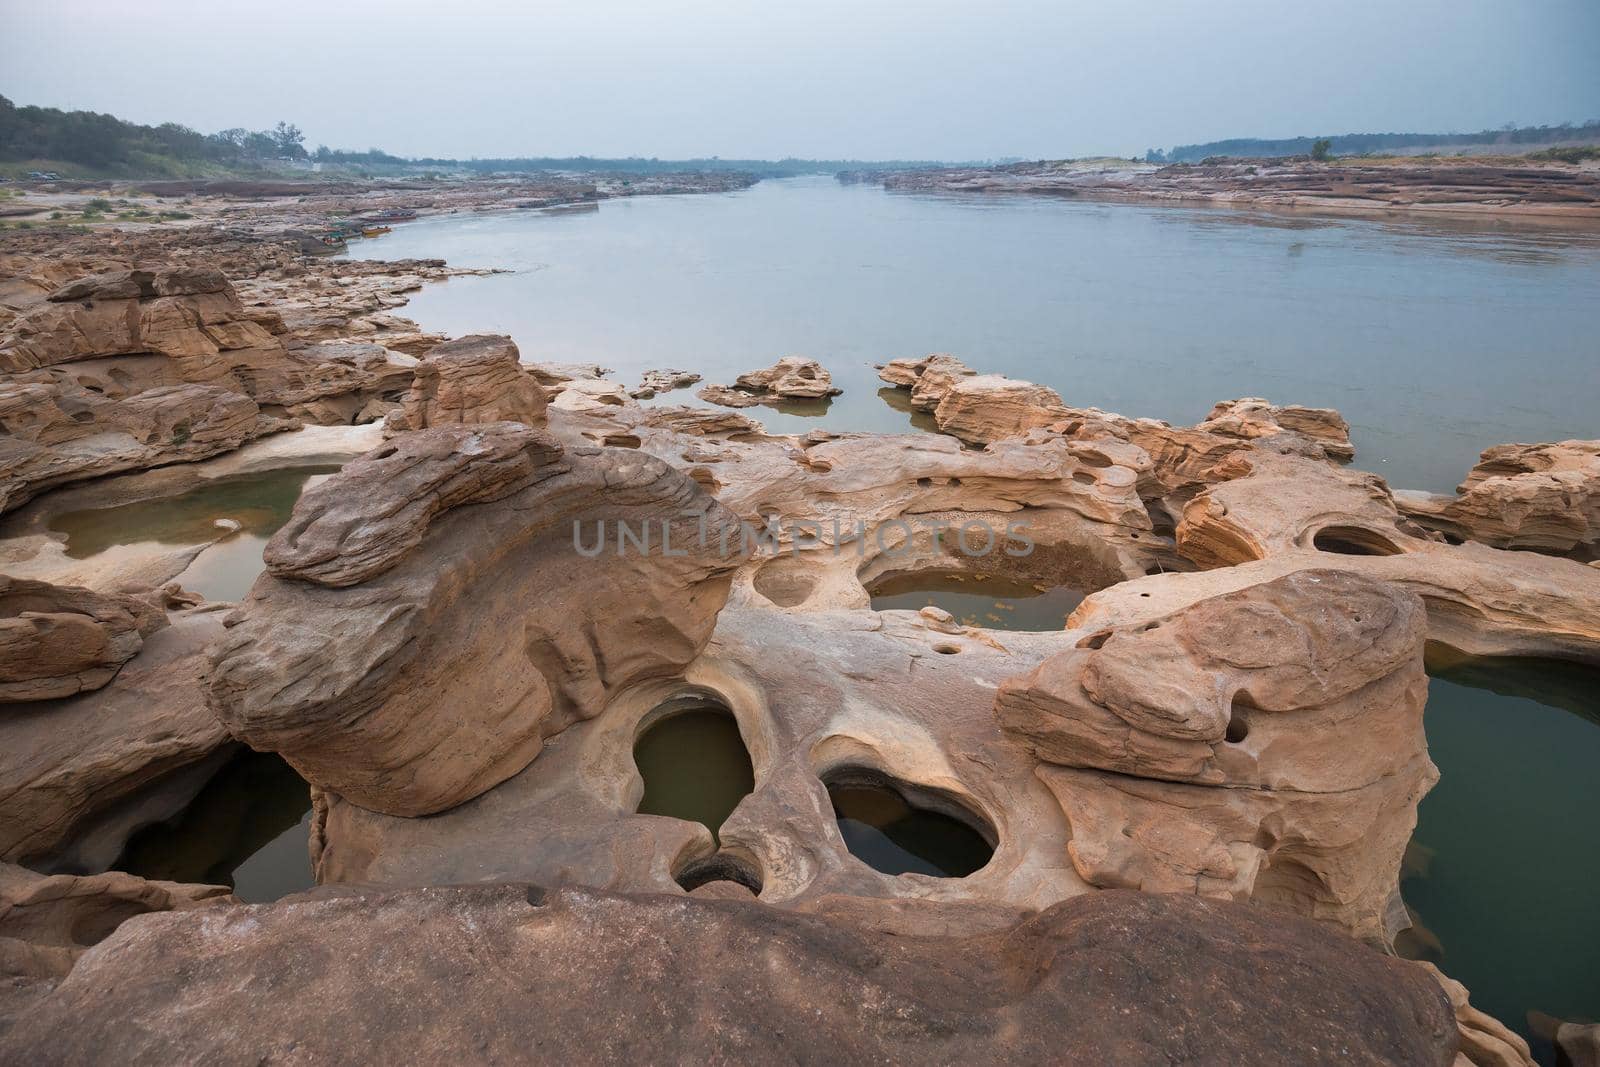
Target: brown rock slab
(1110, 978)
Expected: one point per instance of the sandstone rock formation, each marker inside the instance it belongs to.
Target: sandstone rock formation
(594, 395)
(662, 381)
(52, 434)
(472, 380)
(1291, 513)
(988, 407)
(1541, 497)
(48, 921)
(791, 378)
(1114, 978)
(1211, 752)
(928, 379)
(57, 641)
(1484, 1040)
(1252, 417)
(135, 368)
(78, 775)
(427, 618)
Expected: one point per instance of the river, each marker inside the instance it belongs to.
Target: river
(1436, 338)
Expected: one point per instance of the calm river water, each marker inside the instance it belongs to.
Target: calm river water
(1435, 338)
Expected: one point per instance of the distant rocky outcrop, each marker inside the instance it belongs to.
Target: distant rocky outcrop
(662, 381)
(791, 378)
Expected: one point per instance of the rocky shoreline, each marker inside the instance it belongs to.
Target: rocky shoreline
(1562, 192)
(1196, 795)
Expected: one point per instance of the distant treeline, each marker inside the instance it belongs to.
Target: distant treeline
(106, 143)
(1355, 144)
(91, 139)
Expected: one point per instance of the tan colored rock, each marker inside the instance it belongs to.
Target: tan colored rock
(57, 641)
(592, 395)
(354, 527)
(51, 434)
(662, 381)
(989, 407)
(474, 380)
(1212, 752)
(1116, 978)
(1541, 497)
(1485, 1041)
(79, 775)
(928, 378)
(791, 378)
(701, 422)
(1251, 418)
(435, 646)
(1263, 503)
(1293, 513)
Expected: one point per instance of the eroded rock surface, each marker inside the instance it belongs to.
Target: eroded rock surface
(1252, 417)
(57, 640)
(791, 378)
(473, 380)
(426, 619)
(79, 775)
(662, 381)
(1114, 978)
(1213, 752)
(1541, 497)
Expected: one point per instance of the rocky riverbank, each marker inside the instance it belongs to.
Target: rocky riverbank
(1483, 187)
(1189, 800)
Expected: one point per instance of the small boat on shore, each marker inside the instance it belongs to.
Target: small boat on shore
(392, 214)
(375, 231)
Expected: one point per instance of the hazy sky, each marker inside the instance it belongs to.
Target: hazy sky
(817, 78)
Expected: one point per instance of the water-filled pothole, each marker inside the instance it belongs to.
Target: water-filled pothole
(259, 503)
(897, 828)
(247, 828)
(992, 601)
(1501, 869)
(694, 763)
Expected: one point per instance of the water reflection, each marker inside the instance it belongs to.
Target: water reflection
(1435, 337)
(247, 829)
(991, 601)
(258, 503)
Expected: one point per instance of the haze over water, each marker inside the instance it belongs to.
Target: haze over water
(1436, 338)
